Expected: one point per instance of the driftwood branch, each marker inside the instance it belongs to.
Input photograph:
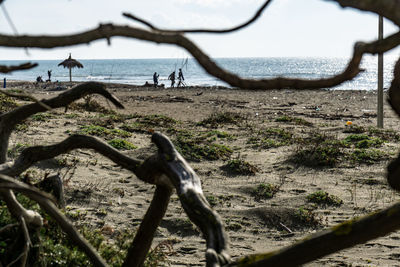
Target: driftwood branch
(229, 30)
(31, 155)
(188, 187)
(344, 235)
(389, 9)
(25, 66)
(10, 119)
(144, 236)
(109, 30)
(45, 202)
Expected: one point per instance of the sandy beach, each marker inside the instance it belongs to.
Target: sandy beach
(270, 133)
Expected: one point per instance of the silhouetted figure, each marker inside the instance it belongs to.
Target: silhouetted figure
(172, 78)
(49, 74)
(155, 79)
(180, 78)
(39, 79)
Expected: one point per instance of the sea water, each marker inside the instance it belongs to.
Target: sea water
(138, 71)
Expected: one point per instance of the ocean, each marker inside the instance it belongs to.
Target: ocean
(138, 71)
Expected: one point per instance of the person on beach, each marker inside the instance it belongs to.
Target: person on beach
(172, 78)
(49, 74)
(155, 79)
(181, 79)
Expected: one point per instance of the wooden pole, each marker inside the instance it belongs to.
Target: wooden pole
(380, 77)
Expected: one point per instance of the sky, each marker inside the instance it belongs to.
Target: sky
(287, 28)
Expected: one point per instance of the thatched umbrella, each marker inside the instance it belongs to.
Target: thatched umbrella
(70, 63)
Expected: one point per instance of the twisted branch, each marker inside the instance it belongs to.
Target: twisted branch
(233, 29)
(10, 119)
(188, 187)
(25, 66)
(109, 30)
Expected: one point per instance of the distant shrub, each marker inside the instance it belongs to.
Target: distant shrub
(324, 198)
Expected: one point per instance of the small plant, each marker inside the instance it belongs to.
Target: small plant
(308, 217)
(157, 120)
(14, 152)
(212, 200)
(298, 121)
(7, 103)
(216, 119)
(121, 144)
(271, 137)
(319, 151)
(324, 198)
(363, 141)
(42, 117)
(196, 148)
(241, 167)
(264, 191)
(368, 156)
(103, 132)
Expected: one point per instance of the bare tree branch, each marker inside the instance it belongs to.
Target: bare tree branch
(188, 187)
(344, 235)
(389, 9)
(31, 155)
(109, 30)
(43, 200)
(144, 236)
(233, 29)
(25, 66)
(10, 119)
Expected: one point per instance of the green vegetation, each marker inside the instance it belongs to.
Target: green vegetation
(147, 123)
(103, 132)
(363, 141)
(157, 120)
(7, 103)
(56, 250)
(16, 150)
(271, 137)
(307, 217)
(324, 198)
(197, 147)
(42, 117)
(298, 121)
(318, 151)
(264, 191)
(216, 119)
(121, 144)
(240, 167)
(212, 200)
(368, 156)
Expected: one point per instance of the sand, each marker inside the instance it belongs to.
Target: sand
(253, 225)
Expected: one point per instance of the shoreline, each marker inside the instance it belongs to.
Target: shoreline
(66, 84)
